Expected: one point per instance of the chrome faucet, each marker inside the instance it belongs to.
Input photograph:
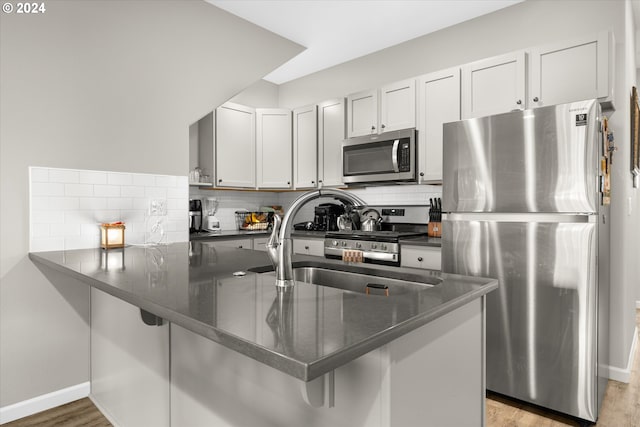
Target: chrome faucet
(280, 246)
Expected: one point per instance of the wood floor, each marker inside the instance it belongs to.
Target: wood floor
(621, 408)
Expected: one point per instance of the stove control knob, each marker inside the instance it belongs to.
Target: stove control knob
(334, 243)
(344, 243)
(374, 246)
(358, 245)
(383, 247)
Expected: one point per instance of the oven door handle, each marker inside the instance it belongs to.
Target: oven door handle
(394, 155)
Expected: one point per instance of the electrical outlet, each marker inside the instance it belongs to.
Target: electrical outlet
(157, 207)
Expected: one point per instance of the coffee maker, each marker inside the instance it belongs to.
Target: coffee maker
(326, 216)
(195, 215)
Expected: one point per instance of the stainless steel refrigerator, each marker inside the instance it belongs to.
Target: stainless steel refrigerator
(521, 193)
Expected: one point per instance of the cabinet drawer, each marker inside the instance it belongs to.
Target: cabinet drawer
(234, 243)
(420, 257)
(309, 247)
(260, 243)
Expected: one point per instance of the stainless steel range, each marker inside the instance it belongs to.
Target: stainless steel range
(377, 247)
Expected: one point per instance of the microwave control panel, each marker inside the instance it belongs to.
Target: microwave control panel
(404, 156)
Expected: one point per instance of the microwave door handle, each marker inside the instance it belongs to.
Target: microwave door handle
(394, 155)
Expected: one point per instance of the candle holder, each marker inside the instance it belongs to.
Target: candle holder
(112, 235)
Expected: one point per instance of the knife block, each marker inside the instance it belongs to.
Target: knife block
(434, 229)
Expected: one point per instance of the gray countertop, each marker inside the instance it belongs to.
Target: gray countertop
(310, 332)
(422, 241)
(227, 234)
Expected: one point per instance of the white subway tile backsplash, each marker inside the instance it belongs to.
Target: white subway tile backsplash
(39, 174)
(91, 177)
(65, 230)
(47, 217)
(166, 181)
(67, 206)
(132, 191)
(79, 190)
(119, 203)
(144, 180)
(92, 203)
(156, 192)
(64, 176)
(115, 178)
(47, 189)
(107, 190)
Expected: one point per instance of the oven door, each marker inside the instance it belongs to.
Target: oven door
(380, 158)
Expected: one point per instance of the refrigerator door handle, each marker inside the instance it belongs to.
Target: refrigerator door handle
(520, 217)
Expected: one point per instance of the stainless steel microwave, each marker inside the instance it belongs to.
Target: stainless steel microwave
(387, 157)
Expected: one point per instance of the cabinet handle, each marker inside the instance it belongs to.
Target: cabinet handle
(288, 182)
(240, 247)
(420, 259)
(219, 180)
(373, 128)
(313, 182)
(535, 99)
(320, 181)
(421, 173)
(306, 247)
(383, 126)
(519, 101)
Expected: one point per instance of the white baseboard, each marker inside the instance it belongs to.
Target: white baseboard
(624, 375)
(42, 403)
(105, 413)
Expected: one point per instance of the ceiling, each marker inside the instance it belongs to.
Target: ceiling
(336, 31)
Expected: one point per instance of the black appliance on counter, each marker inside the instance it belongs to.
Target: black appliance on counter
(195, 215)
(326, 216)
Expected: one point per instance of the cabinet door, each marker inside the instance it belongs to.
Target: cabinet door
(569, 71)
(273, 147)
(439, 102)
(330, 137)
(305, 147)
(398, 106)
(235, 146)
(362, 116)
(308, 246)
(427, 257)
(493, 85)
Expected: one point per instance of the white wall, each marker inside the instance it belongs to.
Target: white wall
(99, 85)
(517, 27)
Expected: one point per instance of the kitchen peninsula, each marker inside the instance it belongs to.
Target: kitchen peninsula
(239, 351)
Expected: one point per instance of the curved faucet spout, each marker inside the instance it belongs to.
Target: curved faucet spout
(280, 246)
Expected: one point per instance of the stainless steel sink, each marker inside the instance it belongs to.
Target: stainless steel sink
(371, 280)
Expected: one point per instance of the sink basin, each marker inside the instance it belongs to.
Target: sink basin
(367, 280)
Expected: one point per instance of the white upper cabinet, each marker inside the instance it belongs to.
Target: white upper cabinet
(235, 146)
(438, 103)
(398, 106)
(363, 113)
(494, 85)
(305, 147)
(331, 130)
(571, 70)
(389, 108)
(273, 147)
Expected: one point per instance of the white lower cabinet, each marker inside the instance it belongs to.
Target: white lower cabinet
(129, 364)
(428, 257)
(308, 246)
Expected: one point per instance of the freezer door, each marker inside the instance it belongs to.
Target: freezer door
(542, 319)
(539, 160)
